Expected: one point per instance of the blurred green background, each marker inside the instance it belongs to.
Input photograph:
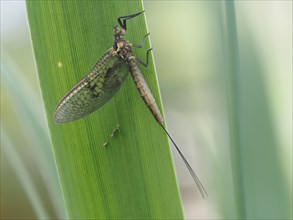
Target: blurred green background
(190, 41)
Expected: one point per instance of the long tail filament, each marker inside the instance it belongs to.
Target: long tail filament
(194, 176)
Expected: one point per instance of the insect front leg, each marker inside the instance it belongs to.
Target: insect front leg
(146, 64)
(122, 20)
(142, 42)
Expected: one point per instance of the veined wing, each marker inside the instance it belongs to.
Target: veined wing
(94, 90)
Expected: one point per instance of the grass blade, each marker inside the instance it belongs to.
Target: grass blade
(133, 177)
(24, 97)
(233, 84)
(260, 189)
(23, 175)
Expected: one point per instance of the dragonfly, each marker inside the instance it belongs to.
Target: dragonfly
(105, 79)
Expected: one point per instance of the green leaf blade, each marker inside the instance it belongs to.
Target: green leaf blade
(132, 177)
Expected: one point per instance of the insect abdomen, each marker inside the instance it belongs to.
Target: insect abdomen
(144, 91)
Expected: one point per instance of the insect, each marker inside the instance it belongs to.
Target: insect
(103, 82)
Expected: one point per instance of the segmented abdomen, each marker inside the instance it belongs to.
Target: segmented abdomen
(144, 90)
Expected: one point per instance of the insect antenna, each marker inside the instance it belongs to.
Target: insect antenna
(194, 176)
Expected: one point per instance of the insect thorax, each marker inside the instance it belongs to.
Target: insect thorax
(121, 46)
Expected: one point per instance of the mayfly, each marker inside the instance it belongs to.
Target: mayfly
(103, 82)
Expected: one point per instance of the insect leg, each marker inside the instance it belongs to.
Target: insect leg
(122, 20)
(142, 42)
(147, 59)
